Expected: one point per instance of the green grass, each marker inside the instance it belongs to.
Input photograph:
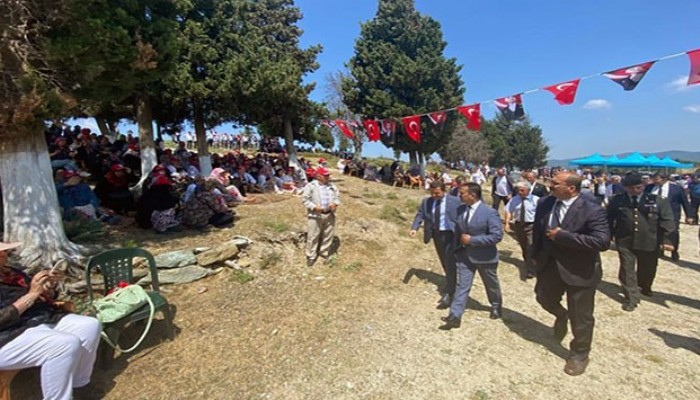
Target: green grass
(392, 214)
(270, 259)
(277, 226)
(353, 266)
(372, 195)
(392, 196)
(241, 276)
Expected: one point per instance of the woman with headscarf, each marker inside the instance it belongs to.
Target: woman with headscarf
(202, 207)
(157, 207)
(222, 186)
(113, 190)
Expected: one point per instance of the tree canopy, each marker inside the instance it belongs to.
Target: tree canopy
(399, 69)
(515, 143)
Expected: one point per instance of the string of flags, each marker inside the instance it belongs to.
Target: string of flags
(511, 106)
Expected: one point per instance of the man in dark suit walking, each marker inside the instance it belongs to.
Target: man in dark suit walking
(438, 214)
(641, 223)
(477, 231)
(569, 234)
(677, 199)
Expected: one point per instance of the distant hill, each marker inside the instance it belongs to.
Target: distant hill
(679, 155)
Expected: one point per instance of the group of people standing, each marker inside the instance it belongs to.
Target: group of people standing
(561, 230)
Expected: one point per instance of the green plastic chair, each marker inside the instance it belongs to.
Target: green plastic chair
(117, 266)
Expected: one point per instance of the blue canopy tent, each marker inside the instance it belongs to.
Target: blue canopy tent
(654, 160)
(635, 159)
(592, 160)
(667, 162)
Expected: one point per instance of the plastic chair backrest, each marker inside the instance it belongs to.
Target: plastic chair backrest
(117, 266)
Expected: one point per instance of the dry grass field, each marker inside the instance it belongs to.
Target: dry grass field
(364, 326)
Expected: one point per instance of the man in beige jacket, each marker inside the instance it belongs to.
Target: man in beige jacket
(321, 200)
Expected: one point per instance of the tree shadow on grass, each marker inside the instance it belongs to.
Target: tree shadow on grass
(677, 341)
(687, 264)
(659, 298)
(27, 384)
(533, 331)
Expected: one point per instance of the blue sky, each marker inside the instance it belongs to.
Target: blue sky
(510, 46)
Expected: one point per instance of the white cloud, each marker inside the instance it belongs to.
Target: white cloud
(597, 104)
(695, 108)
(680, 84)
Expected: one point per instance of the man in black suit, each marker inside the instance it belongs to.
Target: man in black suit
(569, 234)
(536, 188)
(677, 199)
(438, 214)
(501, 188)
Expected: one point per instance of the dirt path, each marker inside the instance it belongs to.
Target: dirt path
(366, 326)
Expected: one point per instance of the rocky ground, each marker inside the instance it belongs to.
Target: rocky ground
(364, 326)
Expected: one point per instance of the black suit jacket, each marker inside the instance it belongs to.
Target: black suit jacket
(676, 198)
(575, 250)
(540, 190)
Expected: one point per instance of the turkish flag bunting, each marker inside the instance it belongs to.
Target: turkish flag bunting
(372, 128)
(694, 76)
(344, 128)
(629, 77)
(473, 115)
(511, 107)
(412, 126)
(388, 127)
(565, 92)
(438, 117)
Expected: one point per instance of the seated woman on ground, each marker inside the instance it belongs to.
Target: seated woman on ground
(285, 183)
(157, 207)
(113, 190)
(221, 182)
(77, 200)
(34, 332)
(201, 206)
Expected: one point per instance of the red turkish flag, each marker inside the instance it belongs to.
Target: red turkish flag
(473, 115)
(344, 128)
(694, 76)
(372, 128)
(565, 92)
(412, 127)
(438, 117)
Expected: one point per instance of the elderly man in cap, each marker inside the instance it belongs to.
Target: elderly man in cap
(321, 199)
(641, 224)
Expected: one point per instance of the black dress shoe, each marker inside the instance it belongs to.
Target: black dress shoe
(629, 307)
(647, 292)
(450, 322)
(444, 302)
(495, 313)
(310, 262)
(576, 367)
(675, 256)
(561, 326)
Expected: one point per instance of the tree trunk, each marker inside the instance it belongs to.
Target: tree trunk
(30, 204)
(421, 164)
(289, 144)
(201, 135)
(413, 158)
(159, 133)
(103, 127)
(144, 118)
(357, 143)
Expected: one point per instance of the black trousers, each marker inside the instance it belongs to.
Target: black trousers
(675, 236)
(637, 270)
(497, 200)
(550, 289)
(444, 241)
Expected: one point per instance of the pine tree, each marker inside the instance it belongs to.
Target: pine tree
(399, 69)
(515, 143)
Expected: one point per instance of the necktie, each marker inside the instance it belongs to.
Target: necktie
(466, 215)
(522, 210)
(635, 202)
(436, 214)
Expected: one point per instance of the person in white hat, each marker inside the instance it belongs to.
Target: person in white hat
(35, 333)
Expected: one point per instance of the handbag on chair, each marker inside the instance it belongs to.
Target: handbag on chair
(121, 303)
